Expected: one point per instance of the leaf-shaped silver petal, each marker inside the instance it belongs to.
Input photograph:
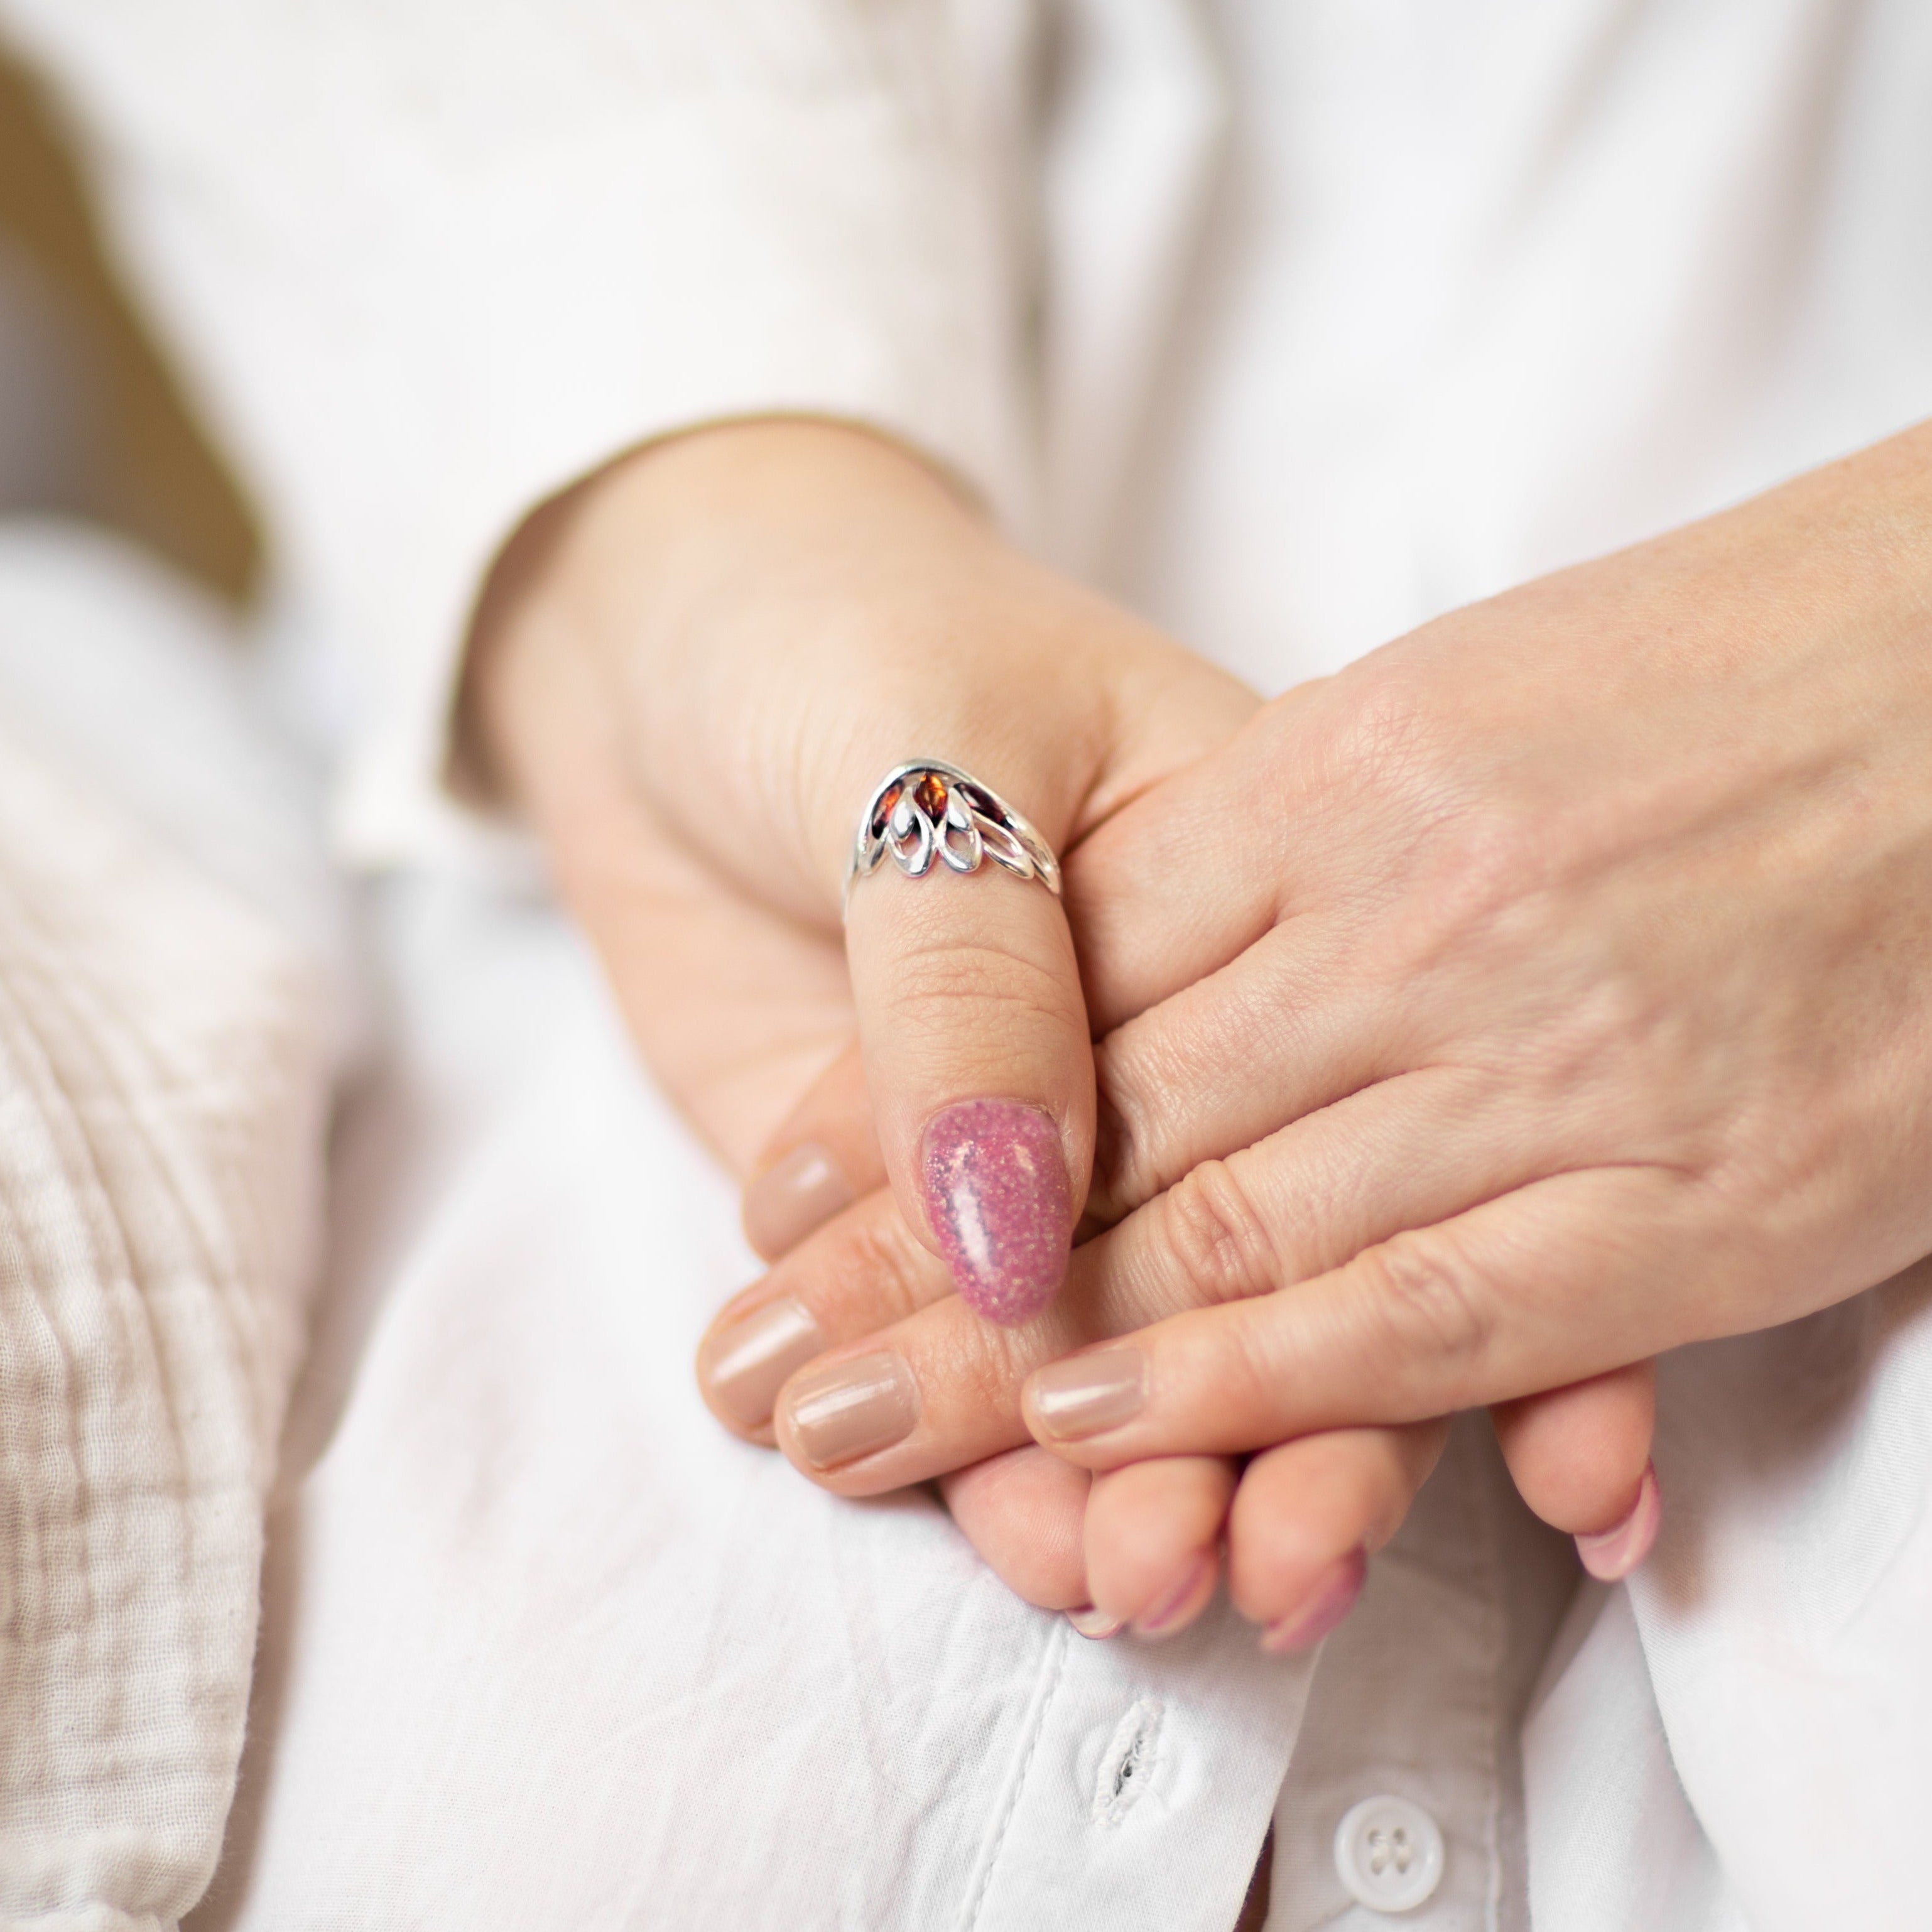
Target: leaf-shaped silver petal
(912, 845)
(959, 843)
(1002, 847)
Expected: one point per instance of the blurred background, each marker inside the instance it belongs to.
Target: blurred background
(90, 423)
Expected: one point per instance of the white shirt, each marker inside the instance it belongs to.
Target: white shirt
(1295, 323)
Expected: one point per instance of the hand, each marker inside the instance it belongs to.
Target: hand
(689, 671)
(692, 670)
(780, 569)
(1579, 939)
(1462, 905)
(1143, 1546)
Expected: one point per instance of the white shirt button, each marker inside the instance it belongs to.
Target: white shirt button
(1388, 1852)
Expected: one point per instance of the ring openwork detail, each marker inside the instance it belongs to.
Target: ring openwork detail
(929, 814)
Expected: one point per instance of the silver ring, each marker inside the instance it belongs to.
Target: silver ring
(928, 813)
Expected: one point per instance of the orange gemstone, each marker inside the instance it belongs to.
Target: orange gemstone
(929, 795)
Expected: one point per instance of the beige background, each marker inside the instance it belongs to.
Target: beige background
(131, 455)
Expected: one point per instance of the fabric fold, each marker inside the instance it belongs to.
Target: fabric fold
(164, 1076)
(463, 267)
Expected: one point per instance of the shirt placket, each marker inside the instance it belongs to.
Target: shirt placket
(1141, 1786)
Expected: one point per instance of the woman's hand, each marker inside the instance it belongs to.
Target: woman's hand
(1542, 992)
(1568, 1001)
(1147, 1551)
(693, 670)
(690, 671)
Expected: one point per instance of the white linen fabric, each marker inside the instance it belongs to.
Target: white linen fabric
(1293, 322)
(542, 1648)
(166, 1052)
(351, 222)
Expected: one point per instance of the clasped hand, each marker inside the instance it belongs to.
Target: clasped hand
(1544, 992)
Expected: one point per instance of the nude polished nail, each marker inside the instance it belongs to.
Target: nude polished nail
(853, 1409)
(1331, 1600)
(1161, 1617)
(1612, 1554)
(743, 1367)
(996, 1189)
(1078, 1397)
(1094, 1625)
(794, 1197)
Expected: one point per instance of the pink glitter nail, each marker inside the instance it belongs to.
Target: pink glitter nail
(996, 1188)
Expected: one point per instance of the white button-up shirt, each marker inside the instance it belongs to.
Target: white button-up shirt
(1294, 323)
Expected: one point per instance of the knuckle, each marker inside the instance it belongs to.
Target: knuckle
(985, 1372)
(884, 1273)
(1425, 1295)
(1124, 1177)
(1465, 851)
(1390, 737)
(1215, 1244)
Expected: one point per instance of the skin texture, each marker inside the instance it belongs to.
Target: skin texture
(1578, 1013)
(1539, 993)
(693, 624)
(1613, 1033)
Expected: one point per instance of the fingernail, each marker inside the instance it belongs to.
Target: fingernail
(1612, 1554)
(996, 1189)
(745, 1365)
(1325, 1606)
(1085, 1394)
(787, 1202)
(1168, 1610)
(853, 1409)
(1089, 1622)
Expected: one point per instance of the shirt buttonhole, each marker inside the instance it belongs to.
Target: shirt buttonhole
(1127, 1765)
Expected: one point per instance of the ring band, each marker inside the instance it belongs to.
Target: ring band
(928, 813)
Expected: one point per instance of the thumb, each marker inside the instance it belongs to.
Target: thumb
(979, 1063)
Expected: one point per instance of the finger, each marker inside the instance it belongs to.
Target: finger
(1292, 1024)
(950, 1385)
(936, 1390)
(1161, 896)
(1306, 1518)
(1403, 1154)
(1024, 1512)
(1580, 1456)
(976, 1048)
(1610, 1554)
(1554, 1282)
(862, 1271)
(1153, 1540)
(823, 1158)
(981, 1071)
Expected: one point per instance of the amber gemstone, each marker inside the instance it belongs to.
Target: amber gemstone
(929, 795)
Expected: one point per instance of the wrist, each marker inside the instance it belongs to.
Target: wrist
(662, 564)
(775, 612)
